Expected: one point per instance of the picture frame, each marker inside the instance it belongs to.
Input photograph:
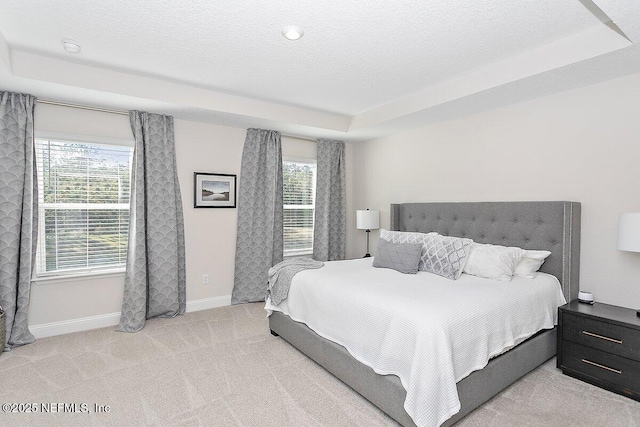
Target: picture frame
(214, 190)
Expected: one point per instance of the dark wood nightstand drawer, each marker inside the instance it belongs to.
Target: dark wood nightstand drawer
(601, 335)
(619, 372)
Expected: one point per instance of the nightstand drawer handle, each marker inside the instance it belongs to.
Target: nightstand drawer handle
(588, 362)
(601, 337)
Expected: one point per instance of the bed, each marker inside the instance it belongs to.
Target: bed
(553, 226)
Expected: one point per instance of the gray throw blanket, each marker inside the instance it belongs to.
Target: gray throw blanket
(281, 274)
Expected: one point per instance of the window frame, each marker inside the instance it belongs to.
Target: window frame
(70, 275)
(311, 161)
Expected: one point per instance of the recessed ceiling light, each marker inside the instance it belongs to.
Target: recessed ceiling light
(292, 32)
(71, 46)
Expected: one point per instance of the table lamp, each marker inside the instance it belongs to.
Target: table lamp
(629, 234)
(367, 220)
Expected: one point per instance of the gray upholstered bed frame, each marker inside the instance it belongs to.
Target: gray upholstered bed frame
(553, 226)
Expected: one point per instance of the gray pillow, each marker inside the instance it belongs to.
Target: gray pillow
(409, 237)
(403, 257)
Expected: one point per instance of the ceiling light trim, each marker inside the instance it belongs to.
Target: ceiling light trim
(71, 46)
(292, 32)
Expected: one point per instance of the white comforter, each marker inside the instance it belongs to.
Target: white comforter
(429, 331)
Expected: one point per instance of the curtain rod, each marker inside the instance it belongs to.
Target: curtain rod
(82, 107)
(126, 113)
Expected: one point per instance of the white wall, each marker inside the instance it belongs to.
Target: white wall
(210, 234)
(582, 145)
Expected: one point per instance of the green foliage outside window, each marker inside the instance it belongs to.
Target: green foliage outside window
(84, 204)
(298, 186)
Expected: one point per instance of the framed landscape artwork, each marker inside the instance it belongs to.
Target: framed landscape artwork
(214, 190)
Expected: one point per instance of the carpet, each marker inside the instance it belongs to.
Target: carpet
(221, 367)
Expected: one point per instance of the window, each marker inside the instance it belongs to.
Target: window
(299, 190)
(83, 191)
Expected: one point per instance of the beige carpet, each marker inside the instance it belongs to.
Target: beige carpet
(221, 367)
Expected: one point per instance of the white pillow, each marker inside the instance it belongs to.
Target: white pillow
(493, 261)
(530, 263)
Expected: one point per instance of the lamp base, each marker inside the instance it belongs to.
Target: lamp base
(369, 256)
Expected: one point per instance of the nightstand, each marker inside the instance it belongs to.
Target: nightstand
(600, 344)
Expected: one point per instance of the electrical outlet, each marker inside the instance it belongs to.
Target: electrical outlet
(205, 279)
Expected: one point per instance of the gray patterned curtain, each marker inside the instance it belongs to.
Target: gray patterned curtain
(330, 227)
(155, 281)
(19, 208)
(259, 242)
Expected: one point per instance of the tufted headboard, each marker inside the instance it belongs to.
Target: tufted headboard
(552, 226)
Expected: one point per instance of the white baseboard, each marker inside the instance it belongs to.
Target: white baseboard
(74, 325)
(111, 319)
(207, 303)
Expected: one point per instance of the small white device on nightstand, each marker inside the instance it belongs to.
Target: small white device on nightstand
(585, 297)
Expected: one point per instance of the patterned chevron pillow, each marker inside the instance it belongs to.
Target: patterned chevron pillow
(446, 255)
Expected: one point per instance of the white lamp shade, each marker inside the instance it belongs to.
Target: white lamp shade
(367, 219)
(629, 232)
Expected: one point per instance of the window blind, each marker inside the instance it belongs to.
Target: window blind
(299, 193)
(83, 192)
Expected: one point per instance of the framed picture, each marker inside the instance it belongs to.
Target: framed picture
(214, 190)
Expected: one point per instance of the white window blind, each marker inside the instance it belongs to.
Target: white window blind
(299, 194)
(83, 191)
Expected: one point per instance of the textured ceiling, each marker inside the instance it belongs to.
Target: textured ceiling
(358, 57)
